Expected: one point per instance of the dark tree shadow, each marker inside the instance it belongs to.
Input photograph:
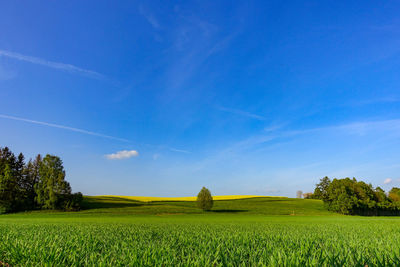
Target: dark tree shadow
(228, 211)
(109, 202)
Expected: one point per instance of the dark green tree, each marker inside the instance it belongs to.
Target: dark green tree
(19, 178)
(320, 191)
(349, 196)
(31, 178)
(204, 199)
(38, 184)
(7, 190)
(9, 180)
(340, 196)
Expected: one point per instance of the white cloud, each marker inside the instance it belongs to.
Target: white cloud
(124, 154)
(387, 181)
(51, 64)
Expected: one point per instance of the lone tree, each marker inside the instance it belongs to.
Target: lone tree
(299, 194)
(204, 199)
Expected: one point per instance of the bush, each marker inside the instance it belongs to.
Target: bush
(204, 199)
(308, 195)
(75, 202)
(3, 209)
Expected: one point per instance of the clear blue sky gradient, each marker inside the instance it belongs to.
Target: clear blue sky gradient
(242, 97)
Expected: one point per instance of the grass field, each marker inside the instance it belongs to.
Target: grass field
(117, 231)
(246, 205)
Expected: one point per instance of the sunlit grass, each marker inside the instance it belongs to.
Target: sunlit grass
(245, 231)
(150, 199)
(198, 240)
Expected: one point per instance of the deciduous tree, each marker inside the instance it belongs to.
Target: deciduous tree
(204, 199)
(52, 187)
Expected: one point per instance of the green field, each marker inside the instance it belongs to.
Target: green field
(249, 232)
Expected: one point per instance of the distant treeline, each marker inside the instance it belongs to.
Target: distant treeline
(349, 196)
(38, 184)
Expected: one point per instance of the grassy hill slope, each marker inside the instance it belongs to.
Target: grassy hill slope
(152, 199)
(249, 205)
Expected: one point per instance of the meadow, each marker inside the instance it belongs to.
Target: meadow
(272, 231)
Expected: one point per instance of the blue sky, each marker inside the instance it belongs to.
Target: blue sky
(243, 97)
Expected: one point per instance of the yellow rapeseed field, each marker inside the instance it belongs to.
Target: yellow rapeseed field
(149, 199)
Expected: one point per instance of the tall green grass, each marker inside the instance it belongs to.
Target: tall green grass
(215, 240)
(252, 232)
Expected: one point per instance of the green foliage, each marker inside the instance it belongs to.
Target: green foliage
(32, 177)
(204, 199)
(37, 184)
(349, 196)
(320, 191)
(394, 194)
(7, 189)
(73, 202)
(308, 195)
(10, 179)
(52, 190)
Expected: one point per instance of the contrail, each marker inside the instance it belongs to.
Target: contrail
(51, 64)
(77, 130)
(63, 127)
(179, 150)
(241, 113)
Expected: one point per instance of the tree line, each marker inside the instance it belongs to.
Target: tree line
(36, 184)
(349, 196)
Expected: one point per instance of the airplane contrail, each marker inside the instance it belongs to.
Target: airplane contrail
(82, 131)
(62, 127)
(51, 64)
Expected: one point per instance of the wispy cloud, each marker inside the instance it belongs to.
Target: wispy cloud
(273, 128)
(151, 19)
(52, 64)
(124, 154)
(354, 128)
(387, 181)
(194, 43)
(381, 100)
(388, 128)
(62, 127)
(179, 150)
(241, 113)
